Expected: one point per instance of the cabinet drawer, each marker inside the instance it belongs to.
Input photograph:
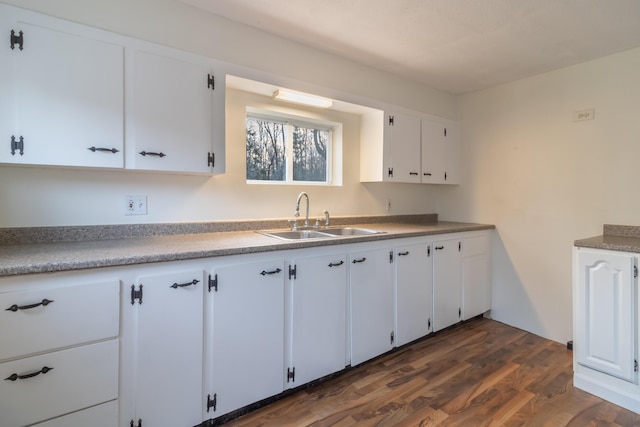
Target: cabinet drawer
(78, 378)
(76, 314)
(105, 415)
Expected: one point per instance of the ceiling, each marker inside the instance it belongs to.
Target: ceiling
(453, 45)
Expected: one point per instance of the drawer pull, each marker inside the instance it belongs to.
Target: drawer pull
(405, 253)
(14, 377)
(184, 285)
(45, 302)
(277, 270)
(357, 261)
(336, 264)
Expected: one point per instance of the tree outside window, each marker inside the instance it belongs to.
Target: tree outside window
(286, 152)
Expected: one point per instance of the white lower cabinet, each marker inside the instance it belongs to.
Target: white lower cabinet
(167, 341)
(447, 284)
(476, 274)
(371, 285)
(246, 333)
(317, 297)
(605, 325)
(414, 291)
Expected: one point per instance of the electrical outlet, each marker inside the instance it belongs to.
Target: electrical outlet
(581, 115)
(388, 205)
(135, 205)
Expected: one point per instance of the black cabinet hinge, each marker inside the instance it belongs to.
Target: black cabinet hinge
(635, 271)
(445, 176)
(459, 246)
(16, 39)
(390, 257)
(293, 271)
(445, 132)
(635, 365)
(291, 374)
(393, 338)
(429, 324)
(131, 424)
(428, 251)
(212, 403)
(459, 312)
(136, 295)
(211, 159)
(391, 120)
(211, 82)
(390, 173)
(17, 145)
(213, 282)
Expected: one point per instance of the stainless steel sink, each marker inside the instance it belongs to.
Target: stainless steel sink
(350, 231)
(296, 235)
(319, 234)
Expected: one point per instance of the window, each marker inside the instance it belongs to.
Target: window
(287, 150)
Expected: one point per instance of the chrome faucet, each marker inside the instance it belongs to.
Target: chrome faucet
(297, 213)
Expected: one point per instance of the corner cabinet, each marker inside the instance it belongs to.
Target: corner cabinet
(413, 149)
(76, 96)
(605, 325)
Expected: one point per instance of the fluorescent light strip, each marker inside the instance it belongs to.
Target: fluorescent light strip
(302, 98)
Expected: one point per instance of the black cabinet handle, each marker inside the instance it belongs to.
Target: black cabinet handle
(331, 264)
(403, 253)
(16, 307)
(414, 173)
(184, 285)
(427, 174)
(439, 248)
(151, 153)
(356, 261)
(104, 150)
(14, 377)
(276, 271)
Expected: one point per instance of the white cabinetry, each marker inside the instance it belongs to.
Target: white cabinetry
(371, 284)
(168, 338)
(318, 321)
(173, 112)
(476, 274)
(402, 136)
(246, 321)
(440, 152)
(414, 291)
(60, 347)
(62, 95)
(447, 284)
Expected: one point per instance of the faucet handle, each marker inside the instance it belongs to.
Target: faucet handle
(326, 218)
(293, 223)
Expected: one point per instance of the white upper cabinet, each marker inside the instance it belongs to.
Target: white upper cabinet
(62, 96)
(172, 114)
(440, 152)
(402, 133)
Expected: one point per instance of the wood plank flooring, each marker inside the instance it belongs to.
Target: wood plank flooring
(480, 373)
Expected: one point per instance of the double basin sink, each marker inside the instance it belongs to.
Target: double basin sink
(325, 233)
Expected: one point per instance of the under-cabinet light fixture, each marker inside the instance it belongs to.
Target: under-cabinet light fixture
(302, 98)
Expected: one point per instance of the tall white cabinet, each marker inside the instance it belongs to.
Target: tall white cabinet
(606, 325)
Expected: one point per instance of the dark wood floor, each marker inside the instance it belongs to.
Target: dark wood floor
(481, 373)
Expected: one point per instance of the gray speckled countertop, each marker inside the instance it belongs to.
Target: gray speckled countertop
(624, 238)
(51, 256)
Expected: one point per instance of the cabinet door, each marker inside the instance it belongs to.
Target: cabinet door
(606, 312)
(403, 136)
(319, 317)
(169, 362)
(440, 152)
(66, 99)
(476, 275)
(370, 278)
(248, 334)
(414, 292)
(172, 114)
(447, 286)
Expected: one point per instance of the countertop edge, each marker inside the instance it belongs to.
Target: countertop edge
(70, 256)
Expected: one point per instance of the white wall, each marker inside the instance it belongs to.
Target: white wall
(43, 196)
(545, 180)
